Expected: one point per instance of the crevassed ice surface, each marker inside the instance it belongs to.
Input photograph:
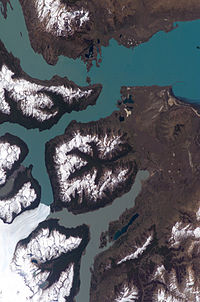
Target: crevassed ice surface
(31, 98)
(45, 246)
(24, 198)
(33, 291)
(9, 154)
(60, 19)
(65, 164)
(22, 280)
(12, 286)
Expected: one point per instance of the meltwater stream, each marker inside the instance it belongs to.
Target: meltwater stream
(166, 59)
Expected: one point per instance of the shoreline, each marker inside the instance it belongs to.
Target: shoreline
(98, 222)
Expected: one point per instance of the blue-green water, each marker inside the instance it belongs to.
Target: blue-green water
(167, 59)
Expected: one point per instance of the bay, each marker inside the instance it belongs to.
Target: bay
(98, 222)
(166, 59)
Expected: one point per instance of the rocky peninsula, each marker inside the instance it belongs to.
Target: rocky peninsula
(49, 261)
(19, 191)
(34, 103)
(90, 165)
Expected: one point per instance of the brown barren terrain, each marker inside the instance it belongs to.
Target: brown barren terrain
(129, 22)
(165, 136)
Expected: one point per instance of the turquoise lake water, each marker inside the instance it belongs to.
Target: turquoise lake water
(167, 59)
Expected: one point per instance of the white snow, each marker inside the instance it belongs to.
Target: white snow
(128, 294)
(20, 228)
(159, 273)
(13, 288)
(62, 288)
(9, 154)
(162, 296)
(33, 292)
(24, 198)
(30, 98)
(21, 280)
(65, 164)
(186, 235)
(139, 251)
(181, 232)
(60, 19)
(188, 290)
(46, 245)
(87, 184)
(79, 141)
(198, 215)
(105, 144)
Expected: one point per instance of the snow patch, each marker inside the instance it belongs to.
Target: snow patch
(60, 19)
(24, 198)
(44, 247)
(159, 273)
(67, 163)
(198, 215)
(128, 294)
(31, 97)
(11, 234)
(162, 296)
(9, 154)
(188, 290)
(12, 287)
(139, 251)
(181, 232)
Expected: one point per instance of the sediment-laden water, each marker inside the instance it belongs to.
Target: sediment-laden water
(167, 59)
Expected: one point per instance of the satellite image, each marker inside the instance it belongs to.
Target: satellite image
(99, 151)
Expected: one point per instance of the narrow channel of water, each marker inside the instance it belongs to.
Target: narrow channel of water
(167, 59)
(98, 222)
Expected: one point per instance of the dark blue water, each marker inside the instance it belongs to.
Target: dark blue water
(125, 228)
(167, 59)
